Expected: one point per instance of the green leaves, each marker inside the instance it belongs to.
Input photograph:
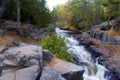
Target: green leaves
(57, 46)
(32, 11)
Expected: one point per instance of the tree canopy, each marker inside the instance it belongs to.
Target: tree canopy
(83, 14)
(32, 11)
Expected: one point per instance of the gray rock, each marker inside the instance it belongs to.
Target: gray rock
(73, 75)
(2, 57)
(8, 76)
(10, 27)
(47, 56)
(30, 27)
(5, 71)
(9, 64)
(20, 31)
(29, 52)
(51, 74)
(31, 73)
(43, 30)
(10, 53)
(104, 38)
(1, 32)
(3, 48)
(34, 36)
(16, 42)
(23, 44)
(69, 70)
(31, 62)
(22, 55)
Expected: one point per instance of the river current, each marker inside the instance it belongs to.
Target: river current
(93, 70)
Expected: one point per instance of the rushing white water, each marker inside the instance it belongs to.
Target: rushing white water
(93, 71)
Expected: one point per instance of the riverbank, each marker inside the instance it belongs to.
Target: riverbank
(108, 53)
(22, 56)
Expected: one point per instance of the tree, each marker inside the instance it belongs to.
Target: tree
(18, 12)
(3, 7)
(98, 12)
(28, 11)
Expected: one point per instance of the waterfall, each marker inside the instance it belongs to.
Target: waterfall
(93, 71)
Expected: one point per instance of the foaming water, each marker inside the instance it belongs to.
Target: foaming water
(93, 71)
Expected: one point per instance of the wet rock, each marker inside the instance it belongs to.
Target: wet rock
(51, 74)
(73, 75)
(1, 32)
(47, 56)
(31, 73)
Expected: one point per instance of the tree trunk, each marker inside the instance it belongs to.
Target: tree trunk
(3, 7)
(90, 15)
(98, 12)
(18, 13)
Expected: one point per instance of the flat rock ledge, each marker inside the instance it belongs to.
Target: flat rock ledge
(30, 62)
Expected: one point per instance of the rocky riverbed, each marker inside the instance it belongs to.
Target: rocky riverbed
(18, 58)
(107, 52)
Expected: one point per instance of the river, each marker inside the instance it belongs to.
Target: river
(93, 70)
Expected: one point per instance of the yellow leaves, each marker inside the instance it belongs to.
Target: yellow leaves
(105, 10)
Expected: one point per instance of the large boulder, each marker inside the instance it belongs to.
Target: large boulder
(68, 70)
(24, 55)
(31, 73)
(7, 75)
(47, 56)
(51, 74)
(21, 63)
(28, 51)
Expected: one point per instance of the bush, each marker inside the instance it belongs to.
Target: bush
(57, 46)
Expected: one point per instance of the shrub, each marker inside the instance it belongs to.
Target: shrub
(57, 46)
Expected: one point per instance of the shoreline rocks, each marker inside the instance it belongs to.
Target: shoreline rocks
(108, 53)
(27, 63)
